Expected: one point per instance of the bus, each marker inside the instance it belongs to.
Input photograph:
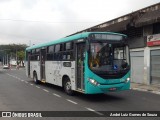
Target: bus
(89, 63)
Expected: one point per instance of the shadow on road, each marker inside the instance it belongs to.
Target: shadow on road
(86, 97)
(95, 98)
(2, 71)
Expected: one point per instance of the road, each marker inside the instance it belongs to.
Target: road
(19, 93)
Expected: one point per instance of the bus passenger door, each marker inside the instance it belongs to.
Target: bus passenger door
(29, 59)
(80, 49)
(42, 64)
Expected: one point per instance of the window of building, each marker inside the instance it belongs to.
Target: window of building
(156, 28)
(133, 32)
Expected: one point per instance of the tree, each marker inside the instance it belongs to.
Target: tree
(11, 50)
(20, 56)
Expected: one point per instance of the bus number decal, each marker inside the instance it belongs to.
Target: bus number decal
(67, 64)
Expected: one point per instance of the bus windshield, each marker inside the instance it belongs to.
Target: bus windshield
(108, 58)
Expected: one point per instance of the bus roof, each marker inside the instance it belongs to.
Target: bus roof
(67, 39)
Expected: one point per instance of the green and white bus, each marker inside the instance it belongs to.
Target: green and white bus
(89, 62)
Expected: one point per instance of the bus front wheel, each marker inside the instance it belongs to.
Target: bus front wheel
(68, 87)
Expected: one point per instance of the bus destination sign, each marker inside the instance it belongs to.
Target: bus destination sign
(107, 37)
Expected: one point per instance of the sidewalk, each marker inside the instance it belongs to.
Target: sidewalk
(142, 87)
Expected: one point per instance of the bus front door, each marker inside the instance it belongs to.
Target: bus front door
(80, 66)
(42, 64)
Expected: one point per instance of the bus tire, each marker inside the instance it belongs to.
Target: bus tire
(67, 86)
(35, 78)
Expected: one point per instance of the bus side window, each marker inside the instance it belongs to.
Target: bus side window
(57, 48)
(70, 55)
(33, 51)
(69, 48)
(38, 57)
(37, 51)
(56, 51)
(64, 56)
(50, 51)
(61, 47)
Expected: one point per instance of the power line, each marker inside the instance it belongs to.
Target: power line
(14, 35)
(36, 21)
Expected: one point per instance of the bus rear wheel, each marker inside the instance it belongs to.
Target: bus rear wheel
(67, 86)
(35, 78)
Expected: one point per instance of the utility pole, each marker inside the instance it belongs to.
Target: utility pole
(16, 58)
(5, 57)
(3, 60)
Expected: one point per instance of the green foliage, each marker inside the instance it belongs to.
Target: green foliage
(21, 55)
(11, 49)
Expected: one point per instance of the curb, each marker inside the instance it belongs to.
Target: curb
(146, 90)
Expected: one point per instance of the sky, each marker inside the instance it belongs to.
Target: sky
(37, 21)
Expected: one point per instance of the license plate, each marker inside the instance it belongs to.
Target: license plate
(112, 89)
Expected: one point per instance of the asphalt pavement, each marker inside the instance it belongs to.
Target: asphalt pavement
(19, 93)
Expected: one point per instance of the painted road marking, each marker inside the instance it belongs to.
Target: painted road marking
(94, 111)
(56, 95)
(71, 101)
(22, 80)
(26, 82)
(45, 90)
(37, 87)
(18, 79)
(140, 89)
(145, 90)
(31, 84)
(156, 92)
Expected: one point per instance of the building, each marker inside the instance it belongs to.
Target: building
(143, 30)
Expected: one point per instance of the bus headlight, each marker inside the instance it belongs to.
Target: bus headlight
(92, 81)
(127, 80)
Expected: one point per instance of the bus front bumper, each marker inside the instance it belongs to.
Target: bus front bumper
(95, 89)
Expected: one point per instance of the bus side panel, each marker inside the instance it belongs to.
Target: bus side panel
(50, 69)
(68, 68)
(35, 66)
(55, 70)
(26, 67)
